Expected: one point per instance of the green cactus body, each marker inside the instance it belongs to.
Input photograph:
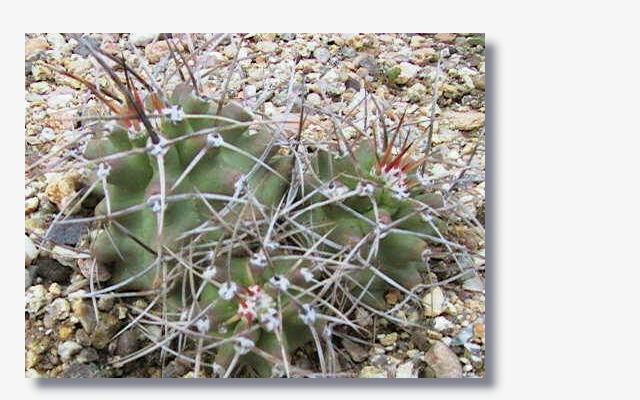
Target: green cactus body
(221, 182)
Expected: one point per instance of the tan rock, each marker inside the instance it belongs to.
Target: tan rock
(478, 81)
(445, 37)
(34, 45)
(434, 302)
(111, 48)
(373, 372)
(30, 205)
(417, 41)
(157, 51)
(443, 361)
(478, 332)
(62, 189)
(267, 47)
(30, 251)
(464, 121)
(389, 340)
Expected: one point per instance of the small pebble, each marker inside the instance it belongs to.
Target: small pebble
(84, 313)
(321, 54)
(35, 299)
(87, 355)
(155, 52)
(27, 278)
(56, 40)
(55, 289)
(357, 352)
(142, 39)
(408, 71)
(405, 370)
(388, 340)
(106, 303)
(417, 93)
(84, 371)
(31, 205)
(35, 45)
(68, 349)
(373, 372)
(474, 284)
(314, 99)
(417, 41)
(127, 343)
(59, 309)
(434, 302)
(267, 47)
(478, 332)
(287, 36)
(443, 361)
(441, 324)
(68, 233)
(52, 270)
(445, 37)
(30, 251)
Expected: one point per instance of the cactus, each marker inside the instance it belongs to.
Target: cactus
(252, 242)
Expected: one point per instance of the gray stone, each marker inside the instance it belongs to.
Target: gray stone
(52, 270)
(357, 352)
(442, 324)
(443, 361)
(67, 233)
(127, 343)
(474, 284)
(287, 36)
(81, 50)
(463, 336)
(106, 303)
(84, 371)
(68, 349)
(321, 54)
(82, 337)
(348, 52)
(87, 355)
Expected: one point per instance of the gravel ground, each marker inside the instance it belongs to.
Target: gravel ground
(63, 337)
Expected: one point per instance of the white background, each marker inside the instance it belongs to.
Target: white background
(563, 121)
